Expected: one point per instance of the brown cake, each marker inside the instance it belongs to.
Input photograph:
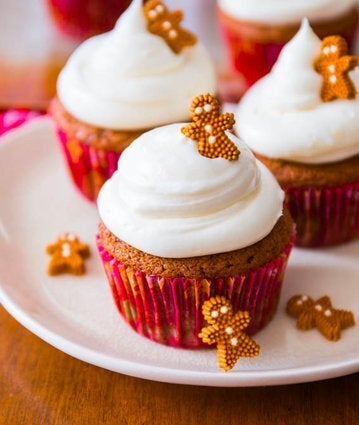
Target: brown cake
(208, 266)
(295, 174)
(101, 138)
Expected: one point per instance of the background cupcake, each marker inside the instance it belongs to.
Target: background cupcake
(179, 227)
(122, 83)
(84, 18)
(310, 140)
(255, 31)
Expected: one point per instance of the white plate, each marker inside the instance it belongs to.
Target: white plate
(77, 315)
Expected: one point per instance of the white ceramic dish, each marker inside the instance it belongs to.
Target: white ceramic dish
(77, 315)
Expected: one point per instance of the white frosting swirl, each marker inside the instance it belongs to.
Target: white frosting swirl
(285, 11)
(168, 200)
(130, 79)
(283, 116)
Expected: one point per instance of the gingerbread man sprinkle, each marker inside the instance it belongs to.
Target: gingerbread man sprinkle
(166, 24)
(334, 64)
(320, 314)
(226, 330)
(209, 127)
(67, 255)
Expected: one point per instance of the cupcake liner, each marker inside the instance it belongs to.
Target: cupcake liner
(252, 59)
(169, 310)
(325, 216)
(83, 18)
(89, 166)
(253, 54)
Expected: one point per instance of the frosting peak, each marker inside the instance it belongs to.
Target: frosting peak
(129, 79)
(132, 20)
(294, 82)
(283, 115)
(167, 199)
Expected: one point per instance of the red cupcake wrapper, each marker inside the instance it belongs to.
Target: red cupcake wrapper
(324, 216)
(169, 310)
(251, 59)
(90, 167)
(254, 58)
(84, 18)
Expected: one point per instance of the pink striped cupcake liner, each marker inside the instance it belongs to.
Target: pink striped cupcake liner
(168, 310)
(325, 216)
(90, 167)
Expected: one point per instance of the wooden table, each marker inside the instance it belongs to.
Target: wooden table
(41, 385)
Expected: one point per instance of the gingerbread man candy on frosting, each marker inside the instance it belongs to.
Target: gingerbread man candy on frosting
(209, 128)
(334, 64)
(67, 255)
(166, 24)
(226, 329)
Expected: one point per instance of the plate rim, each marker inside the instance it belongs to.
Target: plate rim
(159, 373)
(176, 376)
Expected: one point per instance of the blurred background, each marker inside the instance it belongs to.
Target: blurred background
(37, 36)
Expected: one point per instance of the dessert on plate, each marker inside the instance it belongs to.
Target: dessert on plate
(117, 85)
(256, 30)
(302, 122)
(191, 214)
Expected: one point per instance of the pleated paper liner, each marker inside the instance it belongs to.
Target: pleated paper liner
(90, 167)
(325, 216)
(169, 310)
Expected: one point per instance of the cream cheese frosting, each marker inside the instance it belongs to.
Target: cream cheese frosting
(130, 79)
(285, 11)
(282, 115)
(168, 200)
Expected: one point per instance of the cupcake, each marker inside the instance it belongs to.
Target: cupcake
(117, 85)
(302, 122)
(191, 214)
(255, 31)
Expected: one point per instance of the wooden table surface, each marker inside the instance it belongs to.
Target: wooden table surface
(41, 385)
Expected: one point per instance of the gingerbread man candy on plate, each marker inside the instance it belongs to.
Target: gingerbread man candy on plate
(67, 255)
(167, 24)
(334, 64)
(209, 128)
(226, 329)
(320, 314)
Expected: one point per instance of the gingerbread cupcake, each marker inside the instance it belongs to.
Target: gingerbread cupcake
(255, 31)
(191, 214)
(117, 85)
(302, 122)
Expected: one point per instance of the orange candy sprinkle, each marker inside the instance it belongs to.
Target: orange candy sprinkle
(166, 24)
(226, 330)
(67, 255)
(209, 128)
(320, 314)
(334, 64)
